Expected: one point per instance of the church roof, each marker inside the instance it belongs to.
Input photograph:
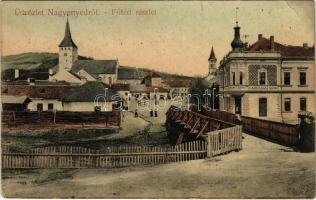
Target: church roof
(263, 44)
(67, 41)
(95, 67)
(88, 92)
(212, 55)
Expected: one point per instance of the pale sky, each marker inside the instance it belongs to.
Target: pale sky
(177, 40)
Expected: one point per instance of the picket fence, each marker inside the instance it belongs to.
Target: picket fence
(114, 156)
(224, 141)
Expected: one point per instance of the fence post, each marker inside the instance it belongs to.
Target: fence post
(209, 146)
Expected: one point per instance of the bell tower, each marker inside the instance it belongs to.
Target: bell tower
(212, 63)
(68, 50)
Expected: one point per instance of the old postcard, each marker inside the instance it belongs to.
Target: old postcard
(157, 99)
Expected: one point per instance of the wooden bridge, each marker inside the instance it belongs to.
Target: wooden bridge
(184, 125)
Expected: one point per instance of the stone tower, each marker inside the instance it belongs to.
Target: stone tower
(68, 51)
(212, 63)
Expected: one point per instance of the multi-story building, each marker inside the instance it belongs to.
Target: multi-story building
(267, 80)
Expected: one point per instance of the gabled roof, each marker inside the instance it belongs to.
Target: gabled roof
(263, 44)
(67, 41)
(212, 55)
(95, 67)
(88, 92)
(36, 91)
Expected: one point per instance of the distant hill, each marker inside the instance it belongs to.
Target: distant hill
(41, 62)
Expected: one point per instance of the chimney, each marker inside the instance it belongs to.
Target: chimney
(305, 45)
(272, 42)
(16, 73)
(259, 36)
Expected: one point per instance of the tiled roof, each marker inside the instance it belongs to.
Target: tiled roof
(263, 44)
(95, 67)
(128, 73)
(178, 83)
(120, 87)
(88, 92)
(36, 91)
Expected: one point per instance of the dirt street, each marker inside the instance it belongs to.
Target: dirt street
(261, 169)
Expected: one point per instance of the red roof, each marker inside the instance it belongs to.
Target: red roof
(37, 91)
(263, 44)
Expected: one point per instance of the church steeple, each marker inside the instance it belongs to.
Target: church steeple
(68, 50)
(212, 63)
(67, 41)
(212, 55)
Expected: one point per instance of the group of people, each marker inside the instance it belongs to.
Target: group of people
(152, 113)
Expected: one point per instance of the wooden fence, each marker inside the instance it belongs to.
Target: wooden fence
(282, 133)
(13, 118)
(224, 141)
(220, 115)
(113, 156)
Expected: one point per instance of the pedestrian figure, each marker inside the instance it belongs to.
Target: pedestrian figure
(151, 113)
(136, 113)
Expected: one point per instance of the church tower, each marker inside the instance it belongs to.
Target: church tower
(68, 51)
(212, 63)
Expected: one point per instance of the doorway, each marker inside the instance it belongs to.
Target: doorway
(238, 105)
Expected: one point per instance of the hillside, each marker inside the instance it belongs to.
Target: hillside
(41, 62)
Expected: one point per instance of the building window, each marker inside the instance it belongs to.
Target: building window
(234, 78)
(262, 78)
(262, 107)
(302, 78)
(240, 78)
(50, 106)
(287, 104)
(287, 78)
(39, 107)
(303, 104)
(65, 54)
